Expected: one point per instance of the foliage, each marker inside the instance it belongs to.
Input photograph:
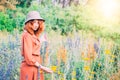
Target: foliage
(83, 44)
(6, 23)
(7, 4)
(24, 3)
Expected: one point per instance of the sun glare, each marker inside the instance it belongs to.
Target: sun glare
(108, 7)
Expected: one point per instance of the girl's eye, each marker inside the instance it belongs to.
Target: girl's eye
(35, 21)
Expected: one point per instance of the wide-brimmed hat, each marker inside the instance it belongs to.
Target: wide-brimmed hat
(33, 15)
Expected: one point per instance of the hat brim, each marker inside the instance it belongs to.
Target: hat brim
(34, 19)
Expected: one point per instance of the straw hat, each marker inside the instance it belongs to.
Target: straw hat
(33, 15)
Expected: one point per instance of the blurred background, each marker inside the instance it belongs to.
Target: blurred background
(81, 40)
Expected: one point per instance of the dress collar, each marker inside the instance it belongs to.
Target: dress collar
(32, 35)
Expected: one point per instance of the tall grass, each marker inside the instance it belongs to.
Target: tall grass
(77, 56)
(9, 56)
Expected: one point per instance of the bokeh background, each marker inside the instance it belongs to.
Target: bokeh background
(81, 40)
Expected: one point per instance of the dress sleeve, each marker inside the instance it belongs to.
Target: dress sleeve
(28, 50)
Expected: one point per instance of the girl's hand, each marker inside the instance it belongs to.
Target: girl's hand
(48, 70)
(37, 64)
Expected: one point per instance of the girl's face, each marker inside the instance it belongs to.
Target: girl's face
(35, 25)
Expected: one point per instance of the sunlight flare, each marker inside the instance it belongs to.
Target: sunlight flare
(108, 7)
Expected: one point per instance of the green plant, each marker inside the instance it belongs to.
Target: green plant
(6, 23)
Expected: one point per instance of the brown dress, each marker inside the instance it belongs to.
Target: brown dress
(31, 54)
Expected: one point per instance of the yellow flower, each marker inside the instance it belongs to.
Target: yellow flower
(86, 68)
(59, 72)
(86, 59)
(99, 64)
(111, 60)
(73, 79)
(90, 77)
(73, 73)
(107, 52)
(62, 78)
(54, 68)
(92, 72)
(113, 56)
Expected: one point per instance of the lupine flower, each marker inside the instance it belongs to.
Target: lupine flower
(43, 38)
(62, 55)
(91, 51)
(82, 55)
(96, 47)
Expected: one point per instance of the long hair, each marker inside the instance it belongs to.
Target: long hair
(28, 28)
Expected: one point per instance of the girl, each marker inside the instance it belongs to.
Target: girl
(34, 26)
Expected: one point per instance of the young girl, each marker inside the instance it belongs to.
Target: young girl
(34, 26)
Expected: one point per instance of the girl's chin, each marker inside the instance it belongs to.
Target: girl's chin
(35, 29)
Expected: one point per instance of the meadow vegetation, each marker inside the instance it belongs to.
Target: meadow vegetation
(82, 44)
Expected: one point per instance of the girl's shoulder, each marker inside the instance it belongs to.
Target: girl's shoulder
(26, 34)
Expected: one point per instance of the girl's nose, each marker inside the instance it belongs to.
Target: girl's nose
(36, 24)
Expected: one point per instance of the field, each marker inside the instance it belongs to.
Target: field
(81, 40)
(77, 56)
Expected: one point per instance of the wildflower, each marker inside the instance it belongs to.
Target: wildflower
(73, 73)
(90, 77)
(92, 72)
(111, 60)
(62, 55)
(59, 72)
(92, 57)
(99, 64)
(86, 59)
(113, 56)
(54, 68)
(86, 68)
(73, 79)
(62, 78)
(58, 57)
(82, 54)
(107, 52)
(41, 71)
(91, 51)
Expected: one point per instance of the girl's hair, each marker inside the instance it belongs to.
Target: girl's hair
(28, 28)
